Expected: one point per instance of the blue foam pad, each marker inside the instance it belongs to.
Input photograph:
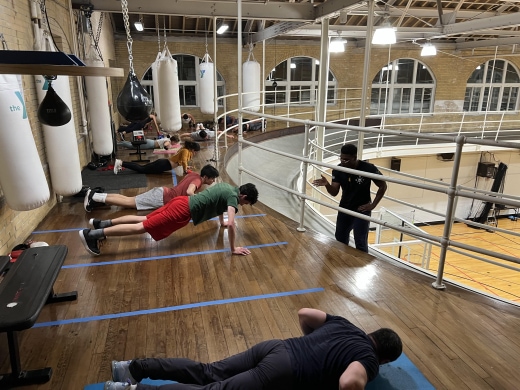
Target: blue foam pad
(147, 381)
(398, 375)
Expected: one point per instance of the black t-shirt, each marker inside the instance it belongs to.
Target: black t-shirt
(320, 358)
(355, 189)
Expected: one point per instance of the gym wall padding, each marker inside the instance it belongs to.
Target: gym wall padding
(99, 112)
(21, 175)
(61, 145)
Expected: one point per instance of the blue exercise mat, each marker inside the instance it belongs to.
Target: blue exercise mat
(399, 375)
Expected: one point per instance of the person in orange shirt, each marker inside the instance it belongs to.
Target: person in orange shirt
(161, 165)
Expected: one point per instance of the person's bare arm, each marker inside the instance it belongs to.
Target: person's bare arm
(332, 188)
(236, 250)
(354, 377)
(192, 188)
(381, 184)
(311, 319)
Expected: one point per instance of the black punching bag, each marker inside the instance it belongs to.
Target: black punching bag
(133, 102)
(53, 111)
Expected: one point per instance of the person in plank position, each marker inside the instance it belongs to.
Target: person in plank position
(156, 197)
(332, 354)
(176, 214)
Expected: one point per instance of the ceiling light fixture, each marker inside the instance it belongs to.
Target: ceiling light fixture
(337, 45)
(428, 50)
(139, 26)
(222, 29)
(384, 34)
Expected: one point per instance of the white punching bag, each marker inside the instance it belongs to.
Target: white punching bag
(251, 85)
(155, 82)
(21, 177)
(207, 86)
(61, 144)
(99, 111)
(168, 79)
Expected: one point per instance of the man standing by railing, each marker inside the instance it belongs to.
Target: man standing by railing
(355, 196)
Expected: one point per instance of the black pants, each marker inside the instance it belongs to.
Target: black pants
(158, 166)
(346, 223)
(266, 366)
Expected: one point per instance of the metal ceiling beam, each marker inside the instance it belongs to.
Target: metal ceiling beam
(332, 7)
(203, 8)
(277, 29)
(472, 26)
(488, 43)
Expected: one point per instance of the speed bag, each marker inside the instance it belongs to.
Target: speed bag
(22, 177)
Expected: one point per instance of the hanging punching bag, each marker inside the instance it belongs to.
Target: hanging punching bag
(169, 92)
(52, 110)
(133, 102)
(61, 144)
(251, 85)
(155, 81)
(207, 86)
(99, 111)
(22, 177)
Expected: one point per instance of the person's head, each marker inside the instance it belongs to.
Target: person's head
(185, 117)
(203, 134)
(248, 194)
(175, 139)
(193, 146)
(348, 156)
(388, 345)
(208, 173)
(245, 127)
(221, 120)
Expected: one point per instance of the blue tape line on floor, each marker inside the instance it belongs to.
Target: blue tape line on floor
(167, 256)
(176, 308)
(81, 228)
(174, 178)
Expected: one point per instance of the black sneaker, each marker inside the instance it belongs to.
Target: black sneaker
(91, 244)
(122, 136)
(88, 203)
(95, 223)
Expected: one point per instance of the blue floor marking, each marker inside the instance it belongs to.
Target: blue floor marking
(176, 308)
(81, 228)
(167, 256)
(174, 178)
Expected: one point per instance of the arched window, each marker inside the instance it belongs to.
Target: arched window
(296, 81)
(501, 78)
(189, 80)
(404, 86)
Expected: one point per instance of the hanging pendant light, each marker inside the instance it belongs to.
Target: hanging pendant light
(133, 102)
(385, 34)
(52, 110)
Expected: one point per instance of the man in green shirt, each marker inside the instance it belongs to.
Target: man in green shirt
(176, 214)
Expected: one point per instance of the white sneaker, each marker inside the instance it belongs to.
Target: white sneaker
(118, 166)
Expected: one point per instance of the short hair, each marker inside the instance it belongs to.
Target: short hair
(203, 134)
(244, 127)
(221, 120)
(388, 343)
(185, 116)
(192, 145)
(175, 138)
(209, 171)
(250, 191)
(349, 149)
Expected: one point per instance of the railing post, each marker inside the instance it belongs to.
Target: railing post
(301, 228)
(450, 211)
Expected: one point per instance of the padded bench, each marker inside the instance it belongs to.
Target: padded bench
(26, 287)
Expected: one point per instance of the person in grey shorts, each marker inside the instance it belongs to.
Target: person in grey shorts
(156, 197)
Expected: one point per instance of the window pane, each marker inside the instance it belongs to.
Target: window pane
(148, 74)
(404, 71)
(396, 101)
(190, 96)
(383, 75)
(478, 75)
(495, 70)
(512, 75)
(376, 99)
(513, 99)
(331, 95)
(186, 67)
(280, 72)
(303, 69)
(423, 75)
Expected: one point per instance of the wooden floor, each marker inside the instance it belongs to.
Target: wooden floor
(459, 340)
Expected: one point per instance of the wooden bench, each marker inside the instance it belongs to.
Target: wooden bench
(26, 287)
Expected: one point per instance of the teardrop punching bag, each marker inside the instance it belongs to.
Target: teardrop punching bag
(155, 81)
(61, 145)
(22, 177)
(99, 111)
(133, 102)
(251, 85)
(169, 93)
(207, 86)
(52, 110)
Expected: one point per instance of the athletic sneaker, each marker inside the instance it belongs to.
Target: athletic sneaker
(91, 244)
(88, 203)
(122, 136)
(118, 166)
(117, 385)
(121, 372)
(95, 223)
